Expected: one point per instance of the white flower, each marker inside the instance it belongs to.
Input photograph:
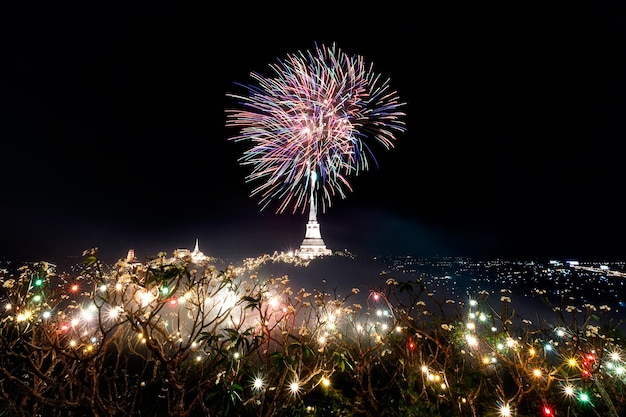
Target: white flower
(392, 282)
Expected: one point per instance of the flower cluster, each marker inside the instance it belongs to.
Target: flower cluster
(173, 336)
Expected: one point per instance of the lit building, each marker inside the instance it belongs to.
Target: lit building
(196, 255)
(130, 257)
(313, 245)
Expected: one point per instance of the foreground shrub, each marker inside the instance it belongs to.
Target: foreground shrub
(175, 336)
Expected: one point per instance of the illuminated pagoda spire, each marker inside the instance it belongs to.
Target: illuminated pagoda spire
(313, 245)
(197, 255)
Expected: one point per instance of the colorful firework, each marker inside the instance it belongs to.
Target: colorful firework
(309, 125)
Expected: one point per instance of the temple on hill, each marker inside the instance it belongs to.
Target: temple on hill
(313, 245)
(197, 255)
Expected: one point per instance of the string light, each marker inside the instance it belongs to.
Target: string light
(137, 302)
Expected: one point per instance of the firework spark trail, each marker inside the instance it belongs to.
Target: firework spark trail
(314, 116)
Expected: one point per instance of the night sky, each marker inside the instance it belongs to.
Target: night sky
(113, 129)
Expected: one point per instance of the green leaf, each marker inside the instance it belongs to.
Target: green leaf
(90, 260)
(251, 302)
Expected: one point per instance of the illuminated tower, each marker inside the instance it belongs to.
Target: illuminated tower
(131, 259)
(197, 255)
(131, 256)
(313, 245)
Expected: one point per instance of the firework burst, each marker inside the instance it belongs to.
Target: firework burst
(309, 126)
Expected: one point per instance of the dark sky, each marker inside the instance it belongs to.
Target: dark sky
(113, 128)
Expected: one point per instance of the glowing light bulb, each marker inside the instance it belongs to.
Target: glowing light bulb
(505, 410)
(258, 383)
(568, 390)
(294, 387)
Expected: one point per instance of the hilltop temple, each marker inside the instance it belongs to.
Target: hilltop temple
(197, 255)
(313, 245)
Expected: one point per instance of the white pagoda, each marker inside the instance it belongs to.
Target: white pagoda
(196, 255)
(313, 245)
